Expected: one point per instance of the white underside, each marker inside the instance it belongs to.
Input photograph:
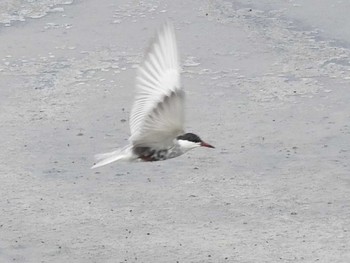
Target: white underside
(126, 154)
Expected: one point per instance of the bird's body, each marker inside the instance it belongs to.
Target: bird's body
(157, 116)
(148, 154)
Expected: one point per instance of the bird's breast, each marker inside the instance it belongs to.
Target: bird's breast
(148, 154)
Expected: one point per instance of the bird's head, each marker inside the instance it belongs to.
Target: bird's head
(189, 141)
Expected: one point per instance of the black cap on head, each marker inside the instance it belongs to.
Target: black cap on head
(194, 138)
(189, 137)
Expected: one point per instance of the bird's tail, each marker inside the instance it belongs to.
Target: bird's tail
(106, 158)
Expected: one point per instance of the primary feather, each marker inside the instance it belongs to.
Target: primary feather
(157, 116)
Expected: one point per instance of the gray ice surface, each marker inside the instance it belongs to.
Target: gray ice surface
(267, 83)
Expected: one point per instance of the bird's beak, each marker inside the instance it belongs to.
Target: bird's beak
(204, 144)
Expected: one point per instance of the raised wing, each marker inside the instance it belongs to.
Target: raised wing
(157, 116)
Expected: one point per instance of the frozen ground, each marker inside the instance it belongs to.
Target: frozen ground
(267, 84)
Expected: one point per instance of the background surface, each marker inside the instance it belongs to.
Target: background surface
(267, 83)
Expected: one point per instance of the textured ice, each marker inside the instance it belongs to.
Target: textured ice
(18, 10)
(267, 83)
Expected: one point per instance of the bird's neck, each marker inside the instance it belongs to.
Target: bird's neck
(185, 145)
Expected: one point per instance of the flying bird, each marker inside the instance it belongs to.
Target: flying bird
(157, 116)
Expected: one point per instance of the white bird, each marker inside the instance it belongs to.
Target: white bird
(157, 116)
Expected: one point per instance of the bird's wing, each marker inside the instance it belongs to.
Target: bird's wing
(157, 116)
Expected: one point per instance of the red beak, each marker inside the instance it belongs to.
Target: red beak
(204, 144)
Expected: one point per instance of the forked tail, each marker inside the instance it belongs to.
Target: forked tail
(106, 158)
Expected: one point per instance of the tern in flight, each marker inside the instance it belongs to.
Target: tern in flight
(157, 116)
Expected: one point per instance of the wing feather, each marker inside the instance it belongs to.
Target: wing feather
(157, 116)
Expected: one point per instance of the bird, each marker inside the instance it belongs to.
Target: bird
(157, 116)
